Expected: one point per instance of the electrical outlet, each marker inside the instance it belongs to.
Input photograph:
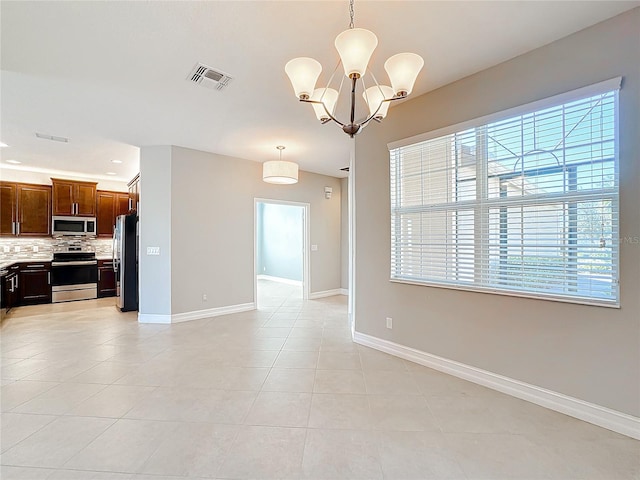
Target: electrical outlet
(204, 297)
(35, 249)
(16, 249)
(153, 250)
(389, 323)
(6, 249)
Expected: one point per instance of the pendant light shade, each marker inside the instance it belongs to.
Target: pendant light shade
(279, 171)
(403, 69)
(303, 73)
(374, 96)
(355, 47)
(328, 96)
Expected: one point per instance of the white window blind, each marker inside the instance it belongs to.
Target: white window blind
(524, 205)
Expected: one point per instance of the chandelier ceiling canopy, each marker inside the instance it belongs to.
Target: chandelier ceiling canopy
(355, 47)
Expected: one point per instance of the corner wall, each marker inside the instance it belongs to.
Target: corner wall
(344, 233)
(589, 353)
(199, 208)
(155, 229)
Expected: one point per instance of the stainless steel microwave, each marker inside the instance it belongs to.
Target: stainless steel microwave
(73, 226)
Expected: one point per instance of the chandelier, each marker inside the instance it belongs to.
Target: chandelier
(355, 47)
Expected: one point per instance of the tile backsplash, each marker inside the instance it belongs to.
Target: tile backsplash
(27, 248)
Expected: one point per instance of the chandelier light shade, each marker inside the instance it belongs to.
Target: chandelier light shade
(355, 47)
(374, 96)
(403, 70)
(303, 73)
(280, 172)
(326, 97)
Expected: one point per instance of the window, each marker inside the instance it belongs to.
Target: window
(523, 204)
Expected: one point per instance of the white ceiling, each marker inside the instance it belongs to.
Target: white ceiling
(111, 76)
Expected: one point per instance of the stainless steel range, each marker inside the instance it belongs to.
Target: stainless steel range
(74, 273)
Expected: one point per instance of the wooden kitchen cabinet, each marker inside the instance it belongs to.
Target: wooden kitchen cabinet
(134, 194)
(108, 206)
(11, 292)
(25, 209)
(72, 198)
(34, 210)
(34, 280)
(106, 279)
(8, 208)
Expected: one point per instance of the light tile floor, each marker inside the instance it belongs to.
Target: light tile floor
(280, 393)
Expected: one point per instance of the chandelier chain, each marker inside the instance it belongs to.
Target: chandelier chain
(351, 14)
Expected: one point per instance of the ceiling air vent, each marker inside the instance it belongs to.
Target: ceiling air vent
(209, 77)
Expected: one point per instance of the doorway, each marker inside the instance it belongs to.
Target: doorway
(281, 253)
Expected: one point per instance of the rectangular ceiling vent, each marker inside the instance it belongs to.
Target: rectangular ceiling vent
(209, 77)
(53, 138)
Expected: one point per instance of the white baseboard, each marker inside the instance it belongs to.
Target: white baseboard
(212, 312)
(153, 318)
(344, 291)
(288, 281)
(195, 315)
(325, 293)
(574, 407)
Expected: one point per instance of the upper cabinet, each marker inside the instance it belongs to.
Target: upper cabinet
(134, 194)
(8, 208)
(25, 209)
(109, 206)
(74, 198)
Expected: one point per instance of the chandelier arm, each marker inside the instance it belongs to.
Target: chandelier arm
(325, 109)
(373, 115)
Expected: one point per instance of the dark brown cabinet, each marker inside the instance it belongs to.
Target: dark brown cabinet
(74, 198)
(134, 194)
(8, 208)
(106, 279)
(11, 288)
(108, 206)
(34, 283)
(25, 209)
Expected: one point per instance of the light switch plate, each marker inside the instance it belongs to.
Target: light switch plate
(314, 248)
(153, 250)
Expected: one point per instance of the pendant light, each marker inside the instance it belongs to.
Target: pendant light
(279, 171)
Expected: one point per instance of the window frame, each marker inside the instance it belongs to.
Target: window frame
(613, 84)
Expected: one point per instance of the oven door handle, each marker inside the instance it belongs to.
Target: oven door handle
(72, 264)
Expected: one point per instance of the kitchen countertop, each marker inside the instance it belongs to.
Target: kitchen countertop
(8, 263)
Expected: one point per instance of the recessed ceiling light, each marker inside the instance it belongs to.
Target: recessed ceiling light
(111, 173)
(116, 161)
(2, 145)
(15, 162)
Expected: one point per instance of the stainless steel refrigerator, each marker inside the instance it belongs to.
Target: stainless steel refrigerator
(125, 262)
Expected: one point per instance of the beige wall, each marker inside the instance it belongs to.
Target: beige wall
(211, 224)
(154, 230)
(344, 233)
(592, 353)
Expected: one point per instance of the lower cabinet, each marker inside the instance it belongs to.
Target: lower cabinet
(34, 283)
(106, 279)
(10, 288)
